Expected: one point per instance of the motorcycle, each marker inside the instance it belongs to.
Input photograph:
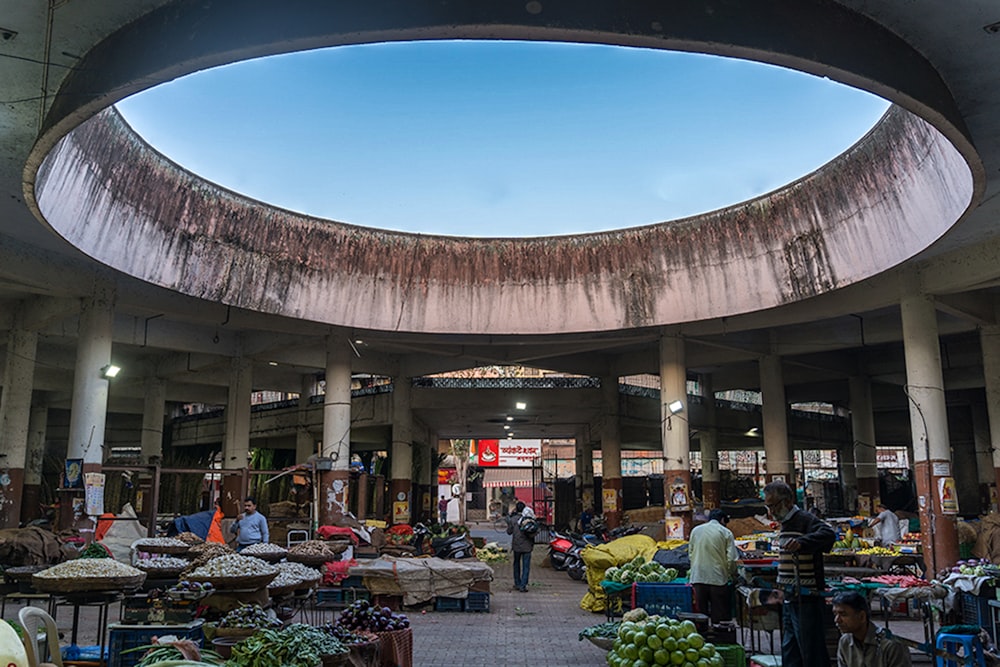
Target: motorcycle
(450, 546)
(566, 552)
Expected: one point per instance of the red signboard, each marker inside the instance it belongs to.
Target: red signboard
(489, 453)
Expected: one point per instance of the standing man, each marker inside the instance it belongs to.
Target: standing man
(803, 539)
(251, 526)
(886, 525)
(862, 644)
(522, 546)
(713, 554)
(443, 509)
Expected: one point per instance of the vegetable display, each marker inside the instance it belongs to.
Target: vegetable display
(362, 615)
(492, 552)
(298, 645)
(249, 617)
(88, 567)
(607, 630)
(658, 640)
(638, 570)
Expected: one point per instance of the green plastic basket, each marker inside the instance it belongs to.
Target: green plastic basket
(733, 655)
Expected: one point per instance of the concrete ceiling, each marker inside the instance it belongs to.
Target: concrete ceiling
(188, 341)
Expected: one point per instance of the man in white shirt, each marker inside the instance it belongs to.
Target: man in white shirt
(713, 554)
(886, 525)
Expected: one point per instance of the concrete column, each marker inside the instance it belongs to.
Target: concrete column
(305, 441)
(963, 453)
(929, 427)
(611, 453)
(774, 413)
(334, 497)
(88, 414)
(401, 465)
(152, 419)
(708, 439)
(427, 478)
(989, 340)
(578, 454)
(674, 434)
(863, 430)
(236, 444)
(848, 476)
(15, 411)
(32, 496)
(587, 471)
(984, 456)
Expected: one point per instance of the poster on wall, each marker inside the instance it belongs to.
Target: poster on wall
(401, 511)
(609, 498)
(673, 527)
(947, 495)
(73, 478)
(94, 493)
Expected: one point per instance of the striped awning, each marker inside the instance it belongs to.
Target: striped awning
(498, 477)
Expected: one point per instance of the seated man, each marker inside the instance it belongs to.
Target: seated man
(862, 644)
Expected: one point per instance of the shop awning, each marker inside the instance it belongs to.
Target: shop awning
(520, 477)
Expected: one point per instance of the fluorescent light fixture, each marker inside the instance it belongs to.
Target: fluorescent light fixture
(753, 431)
(358, 341)
(272, 363)
(110, 371)
(675, 407)
(521, 406)
(509, 418)
(506, 427)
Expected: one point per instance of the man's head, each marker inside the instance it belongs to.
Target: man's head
(779, 498)
(881, 507)
(250, 505)
(519, 507)
(850, 613)
(718, 515)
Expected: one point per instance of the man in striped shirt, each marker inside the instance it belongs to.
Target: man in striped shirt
(803, 540)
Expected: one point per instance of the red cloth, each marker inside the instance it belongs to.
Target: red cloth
(335, 571)
(326, 532)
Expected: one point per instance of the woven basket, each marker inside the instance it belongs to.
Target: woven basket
(311, 559)
(254, 583)
(270, 557)
(235, 632)
(168, 549)
(604, 643)
(22, 573)
(160, 572)
(397, 648)
(366, 654)
(278, 591)
(336, 659)
(88, 584)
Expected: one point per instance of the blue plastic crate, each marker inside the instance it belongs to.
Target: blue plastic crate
(448, 604)
(663, 599)
(477, 601)
(976, 611)
(124, 637)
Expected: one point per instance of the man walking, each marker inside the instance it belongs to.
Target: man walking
(713, 554)
(803, 539)
(521, 545)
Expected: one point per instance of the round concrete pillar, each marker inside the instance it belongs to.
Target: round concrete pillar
(611, 453)
(152, 419)
(401, 473)
(15, 413)
(863, 450)
(336, 447)
(774, 414)
(674, 432)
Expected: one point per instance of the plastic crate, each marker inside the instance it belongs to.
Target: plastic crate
(976, 611)
(353, 581)
(733, 655)
(448, 604)
(341, 596)
(124, 637)
(477, 601)
(663, 599)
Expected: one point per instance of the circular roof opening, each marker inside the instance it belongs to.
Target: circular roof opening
(501, 139)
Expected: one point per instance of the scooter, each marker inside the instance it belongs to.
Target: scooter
(560, 545)
(451, 546)
(566, 550)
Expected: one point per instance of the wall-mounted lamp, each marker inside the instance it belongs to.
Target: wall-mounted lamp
(673, 407)
(110, 371)
(753, 431)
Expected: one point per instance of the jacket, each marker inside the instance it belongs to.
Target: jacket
(804, 569)
(520, 543)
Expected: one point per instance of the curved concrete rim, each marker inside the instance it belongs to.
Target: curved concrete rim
(883, 201)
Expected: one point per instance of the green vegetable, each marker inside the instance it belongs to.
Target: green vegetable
(298, 645)
(607, 630)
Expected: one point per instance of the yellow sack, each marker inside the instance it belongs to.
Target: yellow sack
(599, 558)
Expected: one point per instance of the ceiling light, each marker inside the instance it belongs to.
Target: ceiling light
(521, 406)
(110, 371)
(753, 431)
(272, 363)
(359, 342)
(506, 427)
(509, 418)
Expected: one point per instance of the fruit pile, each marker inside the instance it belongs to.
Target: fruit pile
(973, 567)
(191, 587)
(362, 615)
(658, 640)
(879, 551)
(850, 542)
(638, 570)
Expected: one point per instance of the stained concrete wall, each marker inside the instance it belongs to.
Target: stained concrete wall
(879, 204)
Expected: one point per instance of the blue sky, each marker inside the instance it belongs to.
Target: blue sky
(491, 139)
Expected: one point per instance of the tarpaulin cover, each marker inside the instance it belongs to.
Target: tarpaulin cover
(122, 534)
(30, 546)
(421, 579)
(198, 524)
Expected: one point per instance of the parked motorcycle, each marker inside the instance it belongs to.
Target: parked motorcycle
(450, 546)
(566, 549)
